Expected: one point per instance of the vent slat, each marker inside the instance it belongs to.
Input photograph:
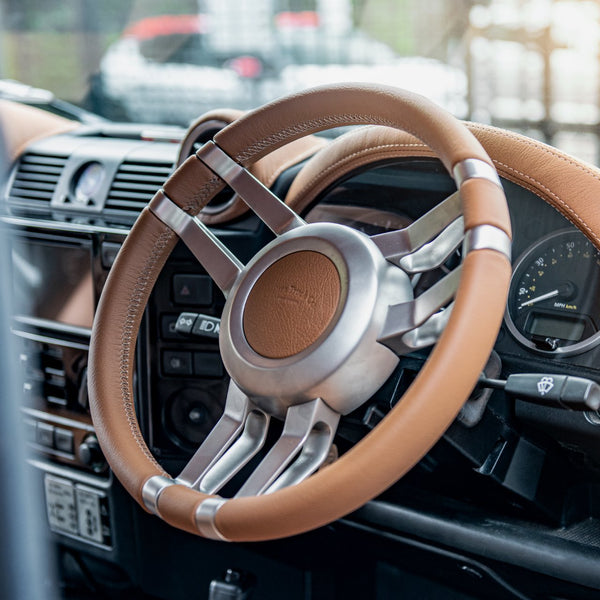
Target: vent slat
(145, 168)
(140, 178)
(126, 205)
(23, 184)
(49, 178)
(31, 194)
(41, 159)
(148, 188)
(142, 197)
(28, 202)
(36, 178)
(120, 184)
(40, 169)
(135, 184)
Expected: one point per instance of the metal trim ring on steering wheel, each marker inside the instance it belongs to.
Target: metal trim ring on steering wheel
(312, 326)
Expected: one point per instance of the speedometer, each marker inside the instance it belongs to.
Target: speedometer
(554, 297)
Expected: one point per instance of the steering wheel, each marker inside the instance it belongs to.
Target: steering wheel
(312, 326)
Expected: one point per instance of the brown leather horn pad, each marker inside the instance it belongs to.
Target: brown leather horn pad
(292, 304)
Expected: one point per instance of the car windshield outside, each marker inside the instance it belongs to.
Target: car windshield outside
(530, 65)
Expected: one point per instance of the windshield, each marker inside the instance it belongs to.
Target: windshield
(529, 65)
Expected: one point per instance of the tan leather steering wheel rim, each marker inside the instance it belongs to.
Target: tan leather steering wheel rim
(413, 425)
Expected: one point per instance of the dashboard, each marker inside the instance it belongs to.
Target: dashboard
(504, 506)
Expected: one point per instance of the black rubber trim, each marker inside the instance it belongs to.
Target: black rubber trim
(536, 548)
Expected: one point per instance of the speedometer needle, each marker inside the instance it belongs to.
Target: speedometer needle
(540, 298)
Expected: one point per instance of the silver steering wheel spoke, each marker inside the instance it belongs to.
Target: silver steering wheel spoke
(239, 454)
(215, 257)
(435, 253)
(222, 436)
(423, 246)
(241, 433)
(423, 336)
(395, 245)
(307, 437)
(308, 430)
(276, 215)
(426, 245)
(419, 323)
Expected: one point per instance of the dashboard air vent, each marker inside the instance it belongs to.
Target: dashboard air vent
(135, 184)
(36, 178)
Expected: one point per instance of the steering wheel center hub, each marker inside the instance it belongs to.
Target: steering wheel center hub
(303, 319)
(292, 304)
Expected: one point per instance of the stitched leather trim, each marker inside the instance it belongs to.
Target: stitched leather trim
(128, 338)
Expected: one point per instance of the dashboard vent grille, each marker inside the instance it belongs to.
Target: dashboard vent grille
(135, 184)
(36, 178)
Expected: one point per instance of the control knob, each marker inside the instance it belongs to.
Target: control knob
(90, 453)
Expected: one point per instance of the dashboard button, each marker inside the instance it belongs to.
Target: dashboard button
(208, 364)
(30, 430)
(45, 435)
(63, 440)
(192, 289)
(207, 326)
(185, 322)
(168, 329)
(177, 363)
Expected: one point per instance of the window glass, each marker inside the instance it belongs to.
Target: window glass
(529, 65)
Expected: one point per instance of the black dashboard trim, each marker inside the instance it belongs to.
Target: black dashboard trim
(538, 549)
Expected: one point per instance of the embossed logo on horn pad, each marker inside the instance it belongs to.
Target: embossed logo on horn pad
(292, 304)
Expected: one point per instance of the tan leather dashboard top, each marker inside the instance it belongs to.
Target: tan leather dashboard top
(21, 125)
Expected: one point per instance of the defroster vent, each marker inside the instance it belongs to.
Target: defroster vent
(35, 179)
(135, 184)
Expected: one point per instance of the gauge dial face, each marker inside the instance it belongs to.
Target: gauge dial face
(554, 298)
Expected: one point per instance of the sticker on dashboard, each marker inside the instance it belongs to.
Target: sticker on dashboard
(77, 510)
(88, 509)
(60, 505)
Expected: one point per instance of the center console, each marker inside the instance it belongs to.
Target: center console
(62, 245)
(57, 272)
